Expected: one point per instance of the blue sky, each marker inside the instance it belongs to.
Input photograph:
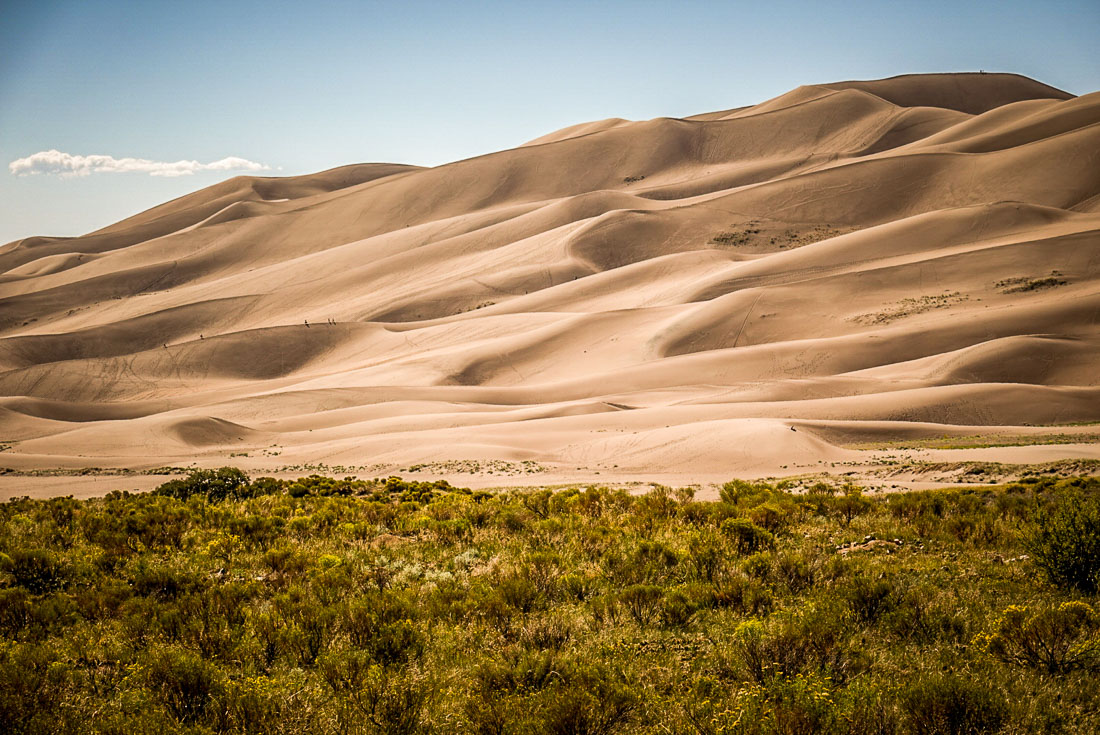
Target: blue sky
(300, 87)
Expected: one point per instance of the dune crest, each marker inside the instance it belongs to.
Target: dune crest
(717, 294)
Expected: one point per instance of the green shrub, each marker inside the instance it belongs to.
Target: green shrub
(740, 593)
(943, 704)
(381, 625)
(543, 568)
(870, 598)
(32, 686)
(265, 486)
(912, 505)
(759, 565)
(285, 561)
(302, 627)
(380, 700)
(706, 555)
(186, 682)
(263, 704)
(546, 693)
(37, 570)
(257, 531)
(797, 571)
(802, 704)
(814, 640)
(649, 562)
(577, 586)
(605, 610)
(677, 609)
(746, 536)
(1056, 640)
(773, 516)
(15, 610)
(1064, 539)
(851, 504)
(740, 493)
(151, 580)
(925, 613)
(547, 633)
(522, 671)
(512, 520)
(519, 592)
(212, 485)
(642, 602)
(590, 702)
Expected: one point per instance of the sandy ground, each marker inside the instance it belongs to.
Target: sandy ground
(765, 291)
(882, 470)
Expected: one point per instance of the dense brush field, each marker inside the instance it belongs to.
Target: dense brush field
(220, 604)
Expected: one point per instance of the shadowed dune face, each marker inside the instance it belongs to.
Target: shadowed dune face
(667, 296)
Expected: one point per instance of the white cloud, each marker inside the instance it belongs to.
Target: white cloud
(68, 165)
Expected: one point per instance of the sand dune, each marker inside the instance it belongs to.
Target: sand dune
(739, 292)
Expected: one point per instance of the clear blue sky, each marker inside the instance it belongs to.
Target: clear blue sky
(304, 86)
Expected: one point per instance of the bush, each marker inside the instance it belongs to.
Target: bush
(15, 610)
(37, 570)
(746, 536)
(386, 700)
(812, 641)
(591, 702)
(577, 586)
(677, 610)
(945, 704)
(798, 705)
(381, 625)
(642, 602)
(1056, 640)
(796, 570)
(741, 493)
(186, 683)
(869, 598)
(706, 555)
(547, 633)
(517, 591)
(851, 504)
(545, 693)
(742, 594)
(32, 685)
(157, 581)
(1064, 539)
(650, 562)
(213, 485)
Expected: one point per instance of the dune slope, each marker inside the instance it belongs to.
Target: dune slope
(720, 293)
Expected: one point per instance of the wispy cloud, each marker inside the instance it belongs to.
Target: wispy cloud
(56, 163)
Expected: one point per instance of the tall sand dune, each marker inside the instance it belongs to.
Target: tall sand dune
(747, 291)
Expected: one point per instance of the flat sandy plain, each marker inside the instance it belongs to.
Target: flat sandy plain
(885, 280)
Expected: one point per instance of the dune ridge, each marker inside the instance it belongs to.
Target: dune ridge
(720, 294)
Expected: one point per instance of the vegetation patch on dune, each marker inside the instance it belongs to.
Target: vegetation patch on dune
(986, 472)
(98, 471)
(911, 307)
(219, 603)
(1021, 285)
(476, 467)
(978, 441)
(771, 235)
(734, 238)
